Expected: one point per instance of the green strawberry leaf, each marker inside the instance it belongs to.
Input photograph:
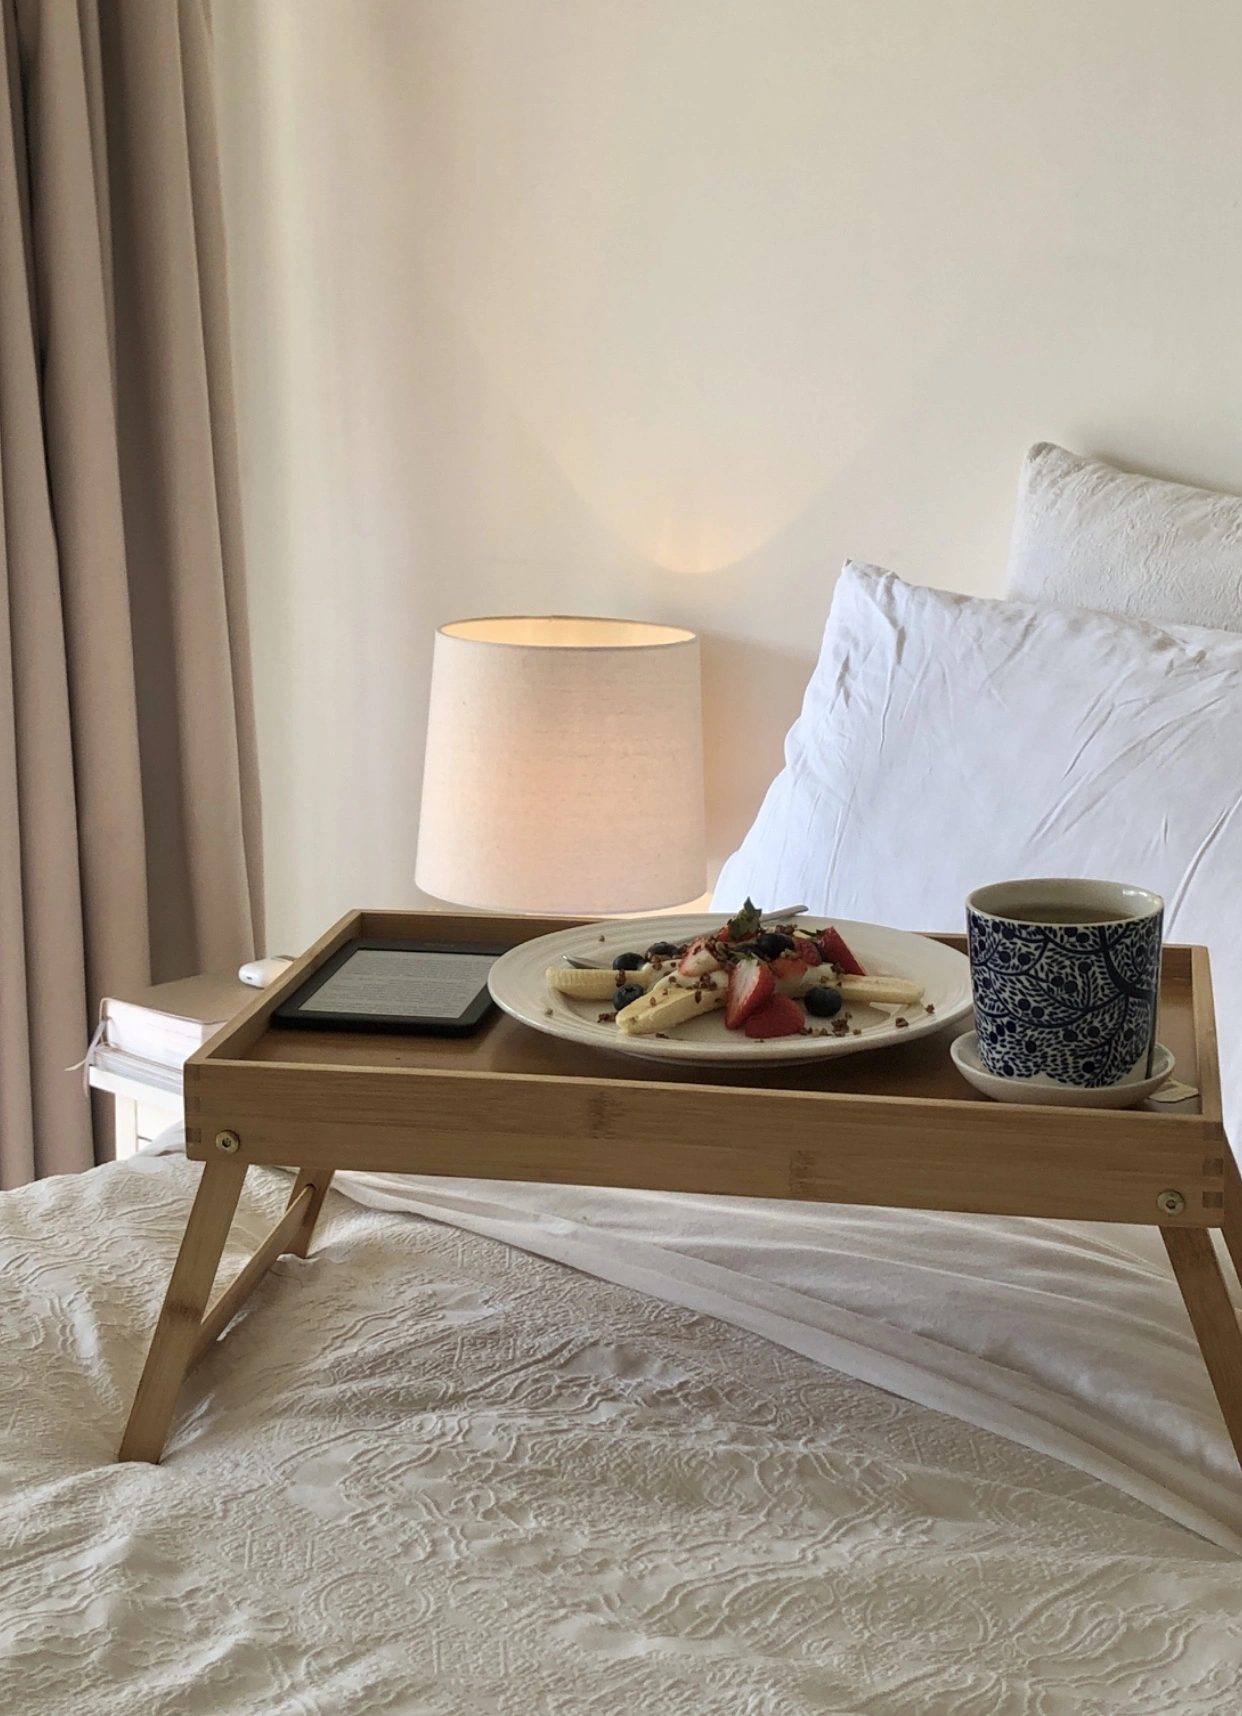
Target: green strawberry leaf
(746, 923)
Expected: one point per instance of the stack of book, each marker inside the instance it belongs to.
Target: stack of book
(147, 1038)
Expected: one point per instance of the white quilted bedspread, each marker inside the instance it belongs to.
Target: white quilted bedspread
(429, 1473)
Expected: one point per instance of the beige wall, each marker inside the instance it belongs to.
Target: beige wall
(661, 308)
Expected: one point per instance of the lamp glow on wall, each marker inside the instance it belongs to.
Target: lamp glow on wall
(564, 768)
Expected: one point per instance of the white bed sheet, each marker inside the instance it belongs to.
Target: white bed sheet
(429, 1472)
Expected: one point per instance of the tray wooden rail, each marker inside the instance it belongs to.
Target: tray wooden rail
(897, 1127)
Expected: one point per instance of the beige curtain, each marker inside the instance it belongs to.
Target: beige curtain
(129, 824)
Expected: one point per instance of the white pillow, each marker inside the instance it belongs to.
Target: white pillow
(1088, 534)
(947, 741)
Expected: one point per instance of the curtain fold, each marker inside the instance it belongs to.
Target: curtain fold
(129, 813)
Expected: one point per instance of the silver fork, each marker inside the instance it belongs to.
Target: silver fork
(765, 918)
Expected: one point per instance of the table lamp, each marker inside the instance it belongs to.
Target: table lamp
(564, 768)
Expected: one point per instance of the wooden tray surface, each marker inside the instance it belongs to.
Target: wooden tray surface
(897, 1125)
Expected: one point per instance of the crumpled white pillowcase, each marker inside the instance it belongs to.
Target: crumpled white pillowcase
(947, 741)
(1091, 535)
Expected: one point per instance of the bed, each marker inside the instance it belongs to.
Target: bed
(540, 1451)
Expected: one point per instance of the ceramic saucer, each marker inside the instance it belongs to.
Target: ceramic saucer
(1044, 1093)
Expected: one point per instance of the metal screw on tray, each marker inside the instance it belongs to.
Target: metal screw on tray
(229, 1142)
(1172, 1203)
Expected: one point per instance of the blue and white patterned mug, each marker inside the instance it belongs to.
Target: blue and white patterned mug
(1066, 979)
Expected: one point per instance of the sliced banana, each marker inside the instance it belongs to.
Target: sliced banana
(899, 990)
(672, 1006)
(671, 999)
(659, 992)
(583, 985)
(665, 985)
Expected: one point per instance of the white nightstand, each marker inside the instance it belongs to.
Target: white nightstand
(141, 1109)
(147, 1093)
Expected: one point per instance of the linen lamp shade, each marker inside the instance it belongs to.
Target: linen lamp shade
(564, 768)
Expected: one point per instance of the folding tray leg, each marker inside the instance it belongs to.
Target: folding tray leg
(1213, 1317)
(318, 1179)
(174, 1344)
(1233, 1211)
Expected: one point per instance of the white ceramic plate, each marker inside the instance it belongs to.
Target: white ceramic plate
(518, 983)
(1044, 1092)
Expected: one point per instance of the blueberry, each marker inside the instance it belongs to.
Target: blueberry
(662, 950)
(825, 1003)
(773, 943)
(626, 993)
(628, 961)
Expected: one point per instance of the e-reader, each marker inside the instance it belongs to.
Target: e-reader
(371, 984)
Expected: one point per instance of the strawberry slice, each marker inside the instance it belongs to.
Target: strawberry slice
(836, 953)
(751, 986)
(807, 948)
(789, 969)
(779, 1017)
(699, 958)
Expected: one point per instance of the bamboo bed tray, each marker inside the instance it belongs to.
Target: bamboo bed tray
(896, 1127)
